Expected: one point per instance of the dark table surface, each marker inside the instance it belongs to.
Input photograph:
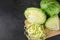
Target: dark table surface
(12, 19)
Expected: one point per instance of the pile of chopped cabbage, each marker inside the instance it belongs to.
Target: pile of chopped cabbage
(35, 32)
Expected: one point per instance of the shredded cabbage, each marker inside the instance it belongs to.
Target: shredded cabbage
(35, 31)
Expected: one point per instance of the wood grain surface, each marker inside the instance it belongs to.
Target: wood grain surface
(51, 33)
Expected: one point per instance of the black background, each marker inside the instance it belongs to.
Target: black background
(12, 19)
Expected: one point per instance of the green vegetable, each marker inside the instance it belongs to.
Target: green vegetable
(52, 7)
(35, 15)
(52, 23)
(35, 32)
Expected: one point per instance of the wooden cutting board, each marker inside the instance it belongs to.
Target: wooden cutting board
(49, 33)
